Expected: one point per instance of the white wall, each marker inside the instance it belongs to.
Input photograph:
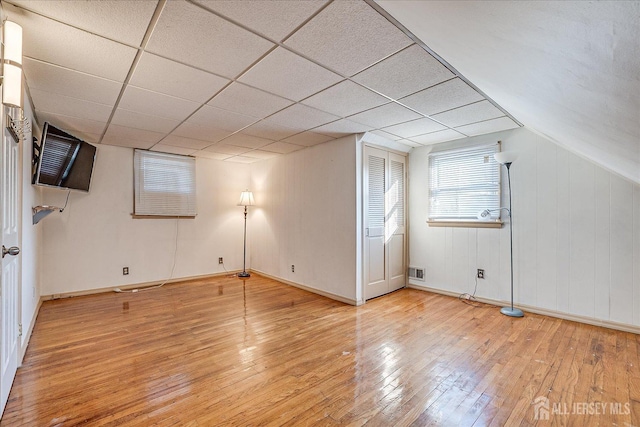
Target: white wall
(576, 235)
(306, 216)
(31, 237)
(87, 245)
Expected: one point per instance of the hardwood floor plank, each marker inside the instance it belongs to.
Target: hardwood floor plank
(228, 352)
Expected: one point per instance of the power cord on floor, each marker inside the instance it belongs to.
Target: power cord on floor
(226, 271)
(173, 267)
(470, 299)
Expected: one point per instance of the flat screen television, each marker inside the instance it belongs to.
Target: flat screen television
(64, 161)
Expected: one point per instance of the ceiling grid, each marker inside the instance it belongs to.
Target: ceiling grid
(241, 81)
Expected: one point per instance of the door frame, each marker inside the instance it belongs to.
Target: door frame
(20, 151)
(361, 222)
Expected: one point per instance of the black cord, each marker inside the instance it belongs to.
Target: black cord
(66, 201)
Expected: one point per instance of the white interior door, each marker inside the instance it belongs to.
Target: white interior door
(384, 222)
(10, 277)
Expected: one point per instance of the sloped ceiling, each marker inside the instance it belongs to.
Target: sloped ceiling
(239, 80)
(569, 70)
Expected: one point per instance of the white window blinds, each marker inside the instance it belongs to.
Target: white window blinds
(164, 184)
(463, 182)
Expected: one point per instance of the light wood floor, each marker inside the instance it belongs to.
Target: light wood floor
(230, 352)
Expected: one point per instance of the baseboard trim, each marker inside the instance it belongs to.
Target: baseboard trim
(308, 288)
(23, 347)
(140, 285)
(543, 311)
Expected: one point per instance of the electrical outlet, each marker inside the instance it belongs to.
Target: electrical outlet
(293, 268)
(125, 271)
(480, 274)
(220, 261)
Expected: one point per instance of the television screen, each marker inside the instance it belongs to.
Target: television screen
(65, 161)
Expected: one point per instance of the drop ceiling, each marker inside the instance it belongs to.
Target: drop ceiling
(239, 80)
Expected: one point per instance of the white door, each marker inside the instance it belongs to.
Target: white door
(10, 277)
(384, 222)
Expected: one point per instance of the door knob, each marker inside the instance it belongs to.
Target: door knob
(13, 250)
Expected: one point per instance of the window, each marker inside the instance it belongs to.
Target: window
(462, 183)
(164, 184)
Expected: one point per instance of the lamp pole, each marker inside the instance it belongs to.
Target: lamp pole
(244, 258)
(246, 199)
(510, 311)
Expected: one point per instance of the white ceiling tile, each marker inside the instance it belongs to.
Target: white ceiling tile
(404, 73)
(188, 143)
(386, 135)
(242, 159)
(282, 147)
(489, 126)
(62, 123)
(308, 139)
(129, 137)
(299, 115)
(348, 36)
(124, 21)
(227, 149)
(222, 119)
(345, 98)
(259, 154)
(408, 143)
(189, 34)
(415, 127)
(202, 132)
(56, 79)
(247, 141)
(436, 137)
(247, 100)
(60, 44)
(386, 115)
(342, 127)
(171, 78)
(445, 96)
(143, 121)
(72, 125)
(211, 155)
(269, 130)
(67, 106)
(480, 111)
(156, 104)
(173, 150)
(289, 75)
(275, 19)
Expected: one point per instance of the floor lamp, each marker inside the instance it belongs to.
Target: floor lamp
(506, 159)
(246, 199)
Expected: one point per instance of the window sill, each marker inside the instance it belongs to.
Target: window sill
(134, 216)
(466, 224)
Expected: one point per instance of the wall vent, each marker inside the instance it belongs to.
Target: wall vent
(416, 273)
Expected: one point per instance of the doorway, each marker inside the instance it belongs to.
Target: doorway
(10, 216)
(385, 242)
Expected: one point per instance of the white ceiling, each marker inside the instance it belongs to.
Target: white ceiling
(569, 70)
(239, 80)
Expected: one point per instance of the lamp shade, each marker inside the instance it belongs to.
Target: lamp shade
(12, 42)
(12, 85)
(505, 157)
(12, 64)
(246, 199)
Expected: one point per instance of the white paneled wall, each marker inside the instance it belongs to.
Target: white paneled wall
(86, 246)
(306, 216)
(576, 235)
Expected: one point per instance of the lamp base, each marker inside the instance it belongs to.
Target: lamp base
(244, 274)
(512, 312)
